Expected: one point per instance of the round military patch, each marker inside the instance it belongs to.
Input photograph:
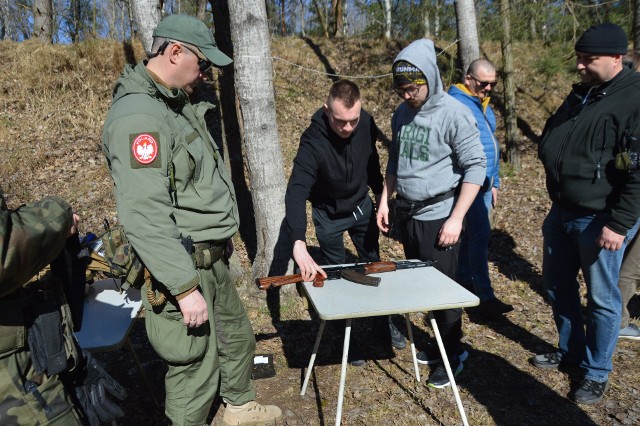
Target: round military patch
(144, 148)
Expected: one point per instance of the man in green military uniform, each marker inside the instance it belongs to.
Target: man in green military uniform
(172, 187)
(30, 238)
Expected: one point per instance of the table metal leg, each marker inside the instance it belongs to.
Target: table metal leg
(447, 367)
(313, 358)
(343, 370)
(413, 346)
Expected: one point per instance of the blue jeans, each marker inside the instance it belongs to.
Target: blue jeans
(473, 267)
(570, 244)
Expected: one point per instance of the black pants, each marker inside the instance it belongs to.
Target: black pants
(363, 230)
(420, 241)
(361, 226)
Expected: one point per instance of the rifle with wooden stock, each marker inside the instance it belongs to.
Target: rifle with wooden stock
(355, 273)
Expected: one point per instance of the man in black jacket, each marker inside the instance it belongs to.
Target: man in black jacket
(336, 164)
(589, 150)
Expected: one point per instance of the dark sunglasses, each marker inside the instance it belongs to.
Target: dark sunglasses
(203, 64)
(484, 83)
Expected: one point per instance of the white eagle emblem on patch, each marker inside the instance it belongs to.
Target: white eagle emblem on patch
(144, 148)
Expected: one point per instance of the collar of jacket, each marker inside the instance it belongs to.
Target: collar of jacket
(581, 89)
(484, 102)
(175, 97)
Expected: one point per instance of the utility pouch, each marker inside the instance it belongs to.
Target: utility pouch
(628, 157)
(45, 339)
(13, 332)
(123, 261)
(401, 210)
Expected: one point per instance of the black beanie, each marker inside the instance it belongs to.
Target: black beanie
(406, 73)
(605, 39)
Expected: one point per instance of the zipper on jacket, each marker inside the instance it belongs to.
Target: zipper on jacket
(604, 144)
(583, 104)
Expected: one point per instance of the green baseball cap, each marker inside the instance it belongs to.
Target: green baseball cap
(193, 31)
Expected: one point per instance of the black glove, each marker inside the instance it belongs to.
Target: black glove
(91, 384)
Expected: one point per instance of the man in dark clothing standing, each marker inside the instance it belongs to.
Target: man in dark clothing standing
(336, 164)
(589, 150)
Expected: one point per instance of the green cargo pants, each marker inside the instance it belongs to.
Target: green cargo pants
(216, 356)
(17, 407)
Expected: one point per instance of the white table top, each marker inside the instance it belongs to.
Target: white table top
(108, 316)
(399, 292)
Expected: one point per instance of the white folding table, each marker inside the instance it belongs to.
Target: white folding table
(400, 292)
(107, 320)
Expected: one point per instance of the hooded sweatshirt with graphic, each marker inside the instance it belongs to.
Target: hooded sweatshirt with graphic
(437, 146)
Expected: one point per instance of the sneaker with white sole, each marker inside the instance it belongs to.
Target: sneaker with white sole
(431, 355)
(629, 332)
(439, 378)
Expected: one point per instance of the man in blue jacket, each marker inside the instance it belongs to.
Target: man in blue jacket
(473, 270)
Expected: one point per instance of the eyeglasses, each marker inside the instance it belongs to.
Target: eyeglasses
(484, 83)
(412, 91)
(203, 64)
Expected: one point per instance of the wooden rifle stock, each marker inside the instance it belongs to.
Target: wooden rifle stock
(367, 268)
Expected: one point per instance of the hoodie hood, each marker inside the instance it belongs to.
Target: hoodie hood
(422, 54)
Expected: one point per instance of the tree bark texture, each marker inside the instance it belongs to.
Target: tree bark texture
(201, 10)
(636, 25)
(338, 29)
(322, 18)
(43, 20)
(468, 46)
(387, 19)
(254, 89)
(510, 113)
(147, 15)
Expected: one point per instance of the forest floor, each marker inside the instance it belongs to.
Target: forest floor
(53, 102)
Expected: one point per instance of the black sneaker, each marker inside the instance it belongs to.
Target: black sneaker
(432, 356)
(397, 339)
(590, 391)
(494, 308)
(550, 361)
(439, 378)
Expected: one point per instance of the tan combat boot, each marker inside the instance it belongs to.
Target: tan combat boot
(251, 414)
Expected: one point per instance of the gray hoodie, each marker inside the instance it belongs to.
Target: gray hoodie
(436, 147)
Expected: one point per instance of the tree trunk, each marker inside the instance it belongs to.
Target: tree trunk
(301, 18)
(201, 10)
(510, 114)
(283, 27)
(636, 25)
(387, 19)
(42, 20)
(337, 18)
(254, 89)
(322, 18)
(436, 19)
(147, 14)
(469, 48)
(426, 32)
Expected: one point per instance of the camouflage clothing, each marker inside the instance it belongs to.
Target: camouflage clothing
(30, 237)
